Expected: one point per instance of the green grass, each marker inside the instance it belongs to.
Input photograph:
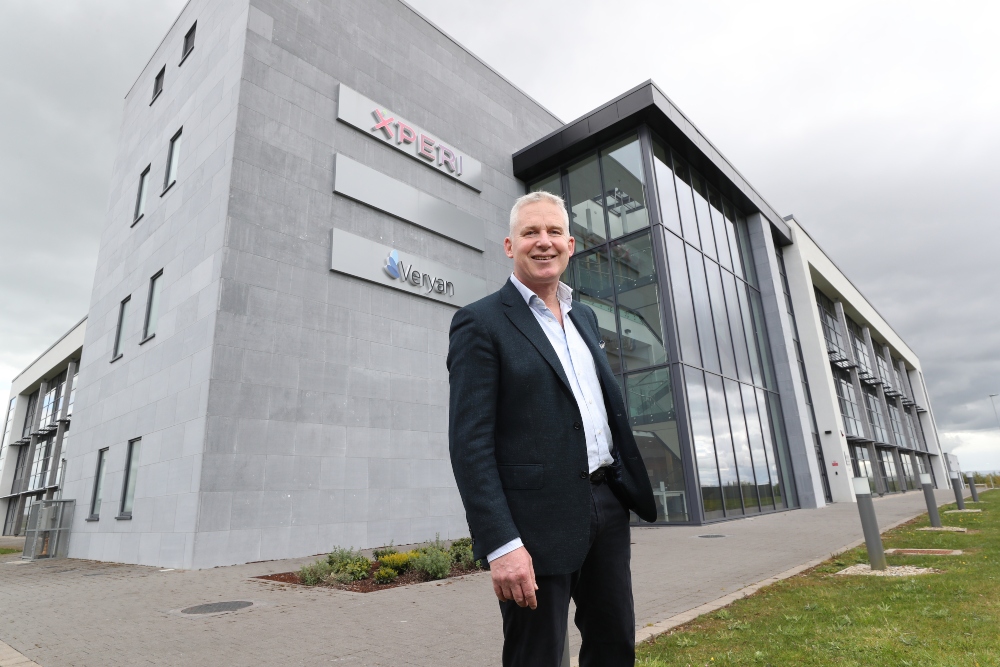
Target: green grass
(4, 552)
(818, 619)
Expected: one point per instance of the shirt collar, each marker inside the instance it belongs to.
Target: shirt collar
(564, 293)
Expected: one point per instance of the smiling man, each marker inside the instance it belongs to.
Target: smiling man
(543, 453)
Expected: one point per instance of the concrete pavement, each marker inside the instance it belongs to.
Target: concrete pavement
(85, 613)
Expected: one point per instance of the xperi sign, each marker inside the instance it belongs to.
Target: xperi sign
(375, 120)
(359, 257)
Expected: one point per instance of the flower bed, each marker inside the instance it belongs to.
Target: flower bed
(350, 570)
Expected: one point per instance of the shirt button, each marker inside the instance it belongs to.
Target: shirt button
(583, 474)
(577, 425)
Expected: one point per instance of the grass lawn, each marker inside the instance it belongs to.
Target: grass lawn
(952, 618)
(4, 552)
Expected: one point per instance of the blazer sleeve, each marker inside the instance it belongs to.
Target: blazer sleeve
(474, 377)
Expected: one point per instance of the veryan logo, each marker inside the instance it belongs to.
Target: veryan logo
(406, 273)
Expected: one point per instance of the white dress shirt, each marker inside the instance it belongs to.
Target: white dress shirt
(581, 371)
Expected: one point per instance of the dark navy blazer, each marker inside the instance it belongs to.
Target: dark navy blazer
(516, 437)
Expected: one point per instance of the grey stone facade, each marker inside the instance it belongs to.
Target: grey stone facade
(284, 409)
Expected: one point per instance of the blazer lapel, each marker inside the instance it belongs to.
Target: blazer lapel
(521, 317)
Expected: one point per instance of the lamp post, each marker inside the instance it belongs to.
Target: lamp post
(932, 510)
(956, 485)
(869, 524)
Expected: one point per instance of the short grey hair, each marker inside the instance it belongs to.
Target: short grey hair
(537, 198)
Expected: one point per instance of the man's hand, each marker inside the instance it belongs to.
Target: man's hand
(514, 578)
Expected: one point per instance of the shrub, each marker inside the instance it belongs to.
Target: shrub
(340, 556)
(435, 562)
(314, 573)
(461, 554)
(353, 570)
(378, 554)
(397, 561)
(385, 575)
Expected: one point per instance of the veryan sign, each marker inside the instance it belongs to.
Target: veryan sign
(379, 122)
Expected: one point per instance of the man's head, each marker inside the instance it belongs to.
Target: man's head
(539, 243)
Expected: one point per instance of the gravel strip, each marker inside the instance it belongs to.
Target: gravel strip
(891, 571)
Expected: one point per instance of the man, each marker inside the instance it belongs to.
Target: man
(543, 453)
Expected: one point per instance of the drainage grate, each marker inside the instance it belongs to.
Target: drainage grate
(711, 536)
(217, 607)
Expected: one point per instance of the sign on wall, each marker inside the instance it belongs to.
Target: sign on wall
(362, 258)
(376, 121)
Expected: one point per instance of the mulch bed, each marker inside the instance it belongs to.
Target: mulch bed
(368, 585)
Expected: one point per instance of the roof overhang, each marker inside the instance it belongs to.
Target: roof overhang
(646, 104)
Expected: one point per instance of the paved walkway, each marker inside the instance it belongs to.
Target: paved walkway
(84, 613)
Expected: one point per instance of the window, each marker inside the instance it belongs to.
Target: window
(158, 84)
(152, 307)
(95, 501)
(122, 325)
(29, 414)
(140, 197)
(848, 403)
(131, 472)
(173, 158)
(189, 41)
(7, 425)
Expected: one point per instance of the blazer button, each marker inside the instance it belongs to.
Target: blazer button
(577, 425)
(584, 475)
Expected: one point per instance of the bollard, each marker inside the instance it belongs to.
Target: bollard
(932, 510)
(565, 658)
(972, 487)
(956, 484)
(869, 524)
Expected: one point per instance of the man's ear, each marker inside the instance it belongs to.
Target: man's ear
(508, 247)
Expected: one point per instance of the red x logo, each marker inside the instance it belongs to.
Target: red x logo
(384, 124)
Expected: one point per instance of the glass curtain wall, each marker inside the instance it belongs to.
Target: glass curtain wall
(724, 366)
(889, 472)
(861, 462)
(736, 426)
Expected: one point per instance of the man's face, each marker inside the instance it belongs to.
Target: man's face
(541, 245)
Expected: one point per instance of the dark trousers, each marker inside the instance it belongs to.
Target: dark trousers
(602, 591)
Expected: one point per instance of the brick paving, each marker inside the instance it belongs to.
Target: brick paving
(85, 613)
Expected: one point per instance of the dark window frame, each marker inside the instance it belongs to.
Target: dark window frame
(102, 464)
(117, 352)
(130, 453)
(140, 195)
(149, 307)
(158, 81)
(188, 46)
(167, 181)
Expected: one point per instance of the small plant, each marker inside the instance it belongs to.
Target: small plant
(686, 642)
(353, 570)
(723, 615)
(378, 554)
(385, 575)
(397, 561)
(340, 556)
(435, 562)
(315, 573)
(461, 554)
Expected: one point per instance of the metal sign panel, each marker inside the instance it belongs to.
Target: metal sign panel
(368, 186)
(376, 121)
(377, 263)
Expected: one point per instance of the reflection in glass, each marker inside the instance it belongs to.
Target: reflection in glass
(551, 184)
(687, 330)
(719, 225)
(734, 246)
(704, 218)
(889, 472)
(757, 310)
(728, 462)
(758, 450)
(849, 410)
(729, 285)
(703, 310)
(590, 277)
(744, 242)
(780, 448)
(875, 416)
(685, 201)
(863, 465)
(741, 446)
(586, 214)
(654, 425)
(909, 478)
(704, 447)
(721, 317)
(897, 423)
(624, 195)
(748, 335)
(638, 302)
(665, 188)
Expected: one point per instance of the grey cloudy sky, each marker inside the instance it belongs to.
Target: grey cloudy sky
(875, 123)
